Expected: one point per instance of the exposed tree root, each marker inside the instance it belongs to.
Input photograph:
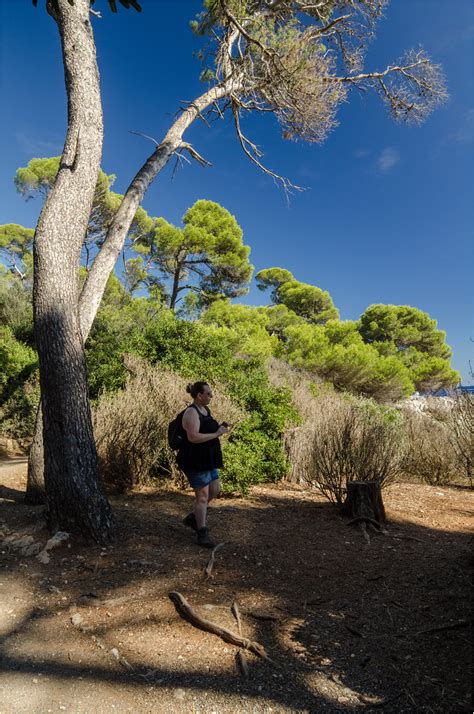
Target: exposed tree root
(242, 663)
(364, 519)
(363, 528)
(187, 613)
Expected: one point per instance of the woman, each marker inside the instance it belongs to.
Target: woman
(200, 457)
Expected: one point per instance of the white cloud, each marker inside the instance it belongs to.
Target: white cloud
(388, 158)
(37, 147)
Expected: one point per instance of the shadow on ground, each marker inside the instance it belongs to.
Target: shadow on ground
(348, 626)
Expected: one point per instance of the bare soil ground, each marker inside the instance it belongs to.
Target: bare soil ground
(348, 626)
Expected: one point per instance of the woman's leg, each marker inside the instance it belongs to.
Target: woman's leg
(200, 507)
(214, 489)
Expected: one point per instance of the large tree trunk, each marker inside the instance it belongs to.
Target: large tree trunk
(35, 492)
(104, 262)
(75, 494)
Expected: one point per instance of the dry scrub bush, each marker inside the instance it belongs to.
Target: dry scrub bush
(304, 385)
(462, 433)
(347, 439)
(441, 440)
(430, 456)
(131, 426)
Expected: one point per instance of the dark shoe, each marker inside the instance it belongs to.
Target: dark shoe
(204, 539)
(190, 521)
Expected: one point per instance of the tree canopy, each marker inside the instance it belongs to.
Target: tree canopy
(399, 327)
(306, 301)
(207, 256)
(412, 336)
(299, 60)
(37, 179)
(16, 244)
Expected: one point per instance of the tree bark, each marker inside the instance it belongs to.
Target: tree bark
(76, 498)
(364, 501)
(35, 493)
(105, 260)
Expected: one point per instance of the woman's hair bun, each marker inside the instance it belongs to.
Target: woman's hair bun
(189, 387)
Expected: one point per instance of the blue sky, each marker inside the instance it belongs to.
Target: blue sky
(388, 213)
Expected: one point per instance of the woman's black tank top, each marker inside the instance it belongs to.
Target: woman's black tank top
(205, 456)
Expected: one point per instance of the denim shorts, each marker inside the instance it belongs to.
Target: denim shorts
(199, 479)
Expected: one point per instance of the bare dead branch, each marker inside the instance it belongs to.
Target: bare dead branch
(210, 565)
(236, 613)
(145, 136)
(254, 157)
(442, 628)
(194, 154)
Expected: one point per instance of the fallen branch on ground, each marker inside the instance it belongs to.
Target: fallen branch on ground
(353, 631)
(210, 565)
(236, 613)
(451, 626)
(186, 611)
(407, 537)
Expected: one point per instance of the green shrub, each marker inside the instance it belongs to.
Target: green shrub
(192, 350)
(19, 386)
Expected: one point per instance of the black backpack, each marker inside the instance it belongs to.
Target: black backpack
(176, 433)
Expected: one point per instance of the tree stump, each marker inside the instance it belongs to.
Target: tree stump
(364, 502)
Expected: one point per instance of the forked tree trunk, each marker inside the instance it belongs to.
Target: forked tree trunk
(76, 498)
(364, 501)
(105, 260)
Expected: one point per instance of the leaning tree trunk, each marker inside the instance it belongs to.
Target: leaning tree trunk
(35, 492)
(75, 495)
(364, 502)
(105, 260)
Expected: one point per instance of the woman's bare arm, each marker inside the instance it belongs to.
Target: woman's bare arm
(191, 426)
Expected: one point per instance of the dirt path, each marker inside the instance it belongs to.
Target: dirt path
(12, 464)
(348, 626)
